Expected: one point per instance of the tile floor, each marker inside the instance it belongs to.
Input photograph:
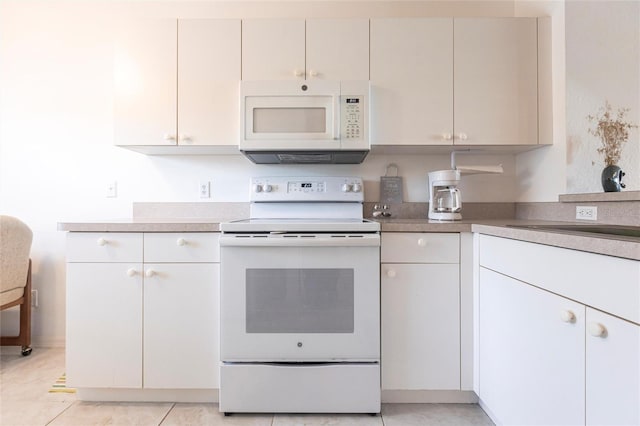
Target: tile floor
(25, 400)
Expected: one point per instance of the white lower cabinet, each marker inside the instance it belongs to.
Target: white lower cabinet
(545, 356)
(151, 323)
(420, 311)
(104, 325)
(612, 370)
(420, 327)
(180, 326)
(531, 361)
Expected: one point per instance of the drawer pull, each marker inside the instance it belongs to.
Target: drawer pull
(567, 316)
(391, 273)
(131, 272)
(149, 273)
(181, 242)
(102, 242)
(422, 242)
(597, 330)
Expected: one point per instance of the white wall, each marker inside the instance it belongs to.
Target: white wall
(56, 129)
(541, 174)
(603, 63)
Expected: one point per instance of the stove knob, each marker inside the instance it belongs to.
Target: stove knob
(267, 188)
(346, 187)
(257, 188)
(357, 187)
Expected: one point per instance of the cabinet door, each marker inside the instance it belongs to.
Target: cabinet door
(337, 49)
(145, 82)
(208, 79)
(613, 370)
(273, 49)
(420, 326)
(104, 325)
(495, 81)
(181, 326)
(412, 81)
(531, 361)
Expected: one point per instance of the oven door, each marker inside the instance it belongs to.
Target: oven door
(294, 298)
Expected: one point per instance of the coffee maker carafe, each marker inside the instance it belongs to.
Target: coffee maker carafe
(444, 196)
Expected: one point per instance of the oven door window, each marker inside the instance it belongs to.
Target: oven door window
(300, 300)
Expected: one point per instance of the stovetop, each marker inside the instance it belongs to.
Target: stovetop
(304, 204)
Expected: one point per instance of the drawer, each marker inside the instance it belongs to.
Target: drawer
(181, 247)
(104, 247)
(608, 283)
(424, 247)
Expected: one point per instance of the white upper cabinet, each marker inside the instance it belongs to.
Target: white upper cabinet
(337, 49)
(273, 49)
(412, 81)
(290, 49)
(445, 81)
(208, 81)
(495, 81)
(176, 82)
(145, 82)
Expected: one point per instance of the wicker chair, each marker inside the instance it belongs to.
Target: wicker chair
(15, 277)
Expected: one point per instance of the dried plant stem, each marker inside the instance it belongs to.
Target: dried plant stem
(613, 132)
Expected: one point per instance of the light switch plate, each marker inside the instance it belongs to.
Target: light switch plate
(112, 189)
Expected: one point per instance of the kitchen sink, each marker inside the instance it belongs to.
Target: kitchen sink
(604, 230)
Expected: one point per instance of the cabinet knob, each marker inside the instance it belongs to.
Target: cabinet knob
(391, 273)
(567, 316)
(313, 73)
(596, 329)
(169, 137)
(298, 73)
(463, 136)
(422, 242)
(102, 242)
(185, 138)
(447, 136)
(149, 273)
(131, 272)
(181, 242)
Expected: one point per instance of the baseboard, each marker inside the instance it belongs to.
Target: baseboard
(46, 342)
(492, 416)
(429, 396)
(147, 395)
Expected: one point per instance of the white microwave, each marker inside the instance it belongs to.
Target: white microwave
(304, 121)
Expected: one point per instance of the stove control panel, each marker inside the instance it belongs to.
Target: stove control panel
(307, 189)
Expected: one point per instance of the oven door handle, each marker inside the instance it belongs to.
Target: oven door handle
(372, 240)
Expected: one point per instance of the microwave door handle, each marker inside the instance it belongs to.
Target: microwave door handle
(336, 117)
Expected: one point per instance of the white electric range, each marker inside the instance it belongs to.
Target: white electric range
(300, 300)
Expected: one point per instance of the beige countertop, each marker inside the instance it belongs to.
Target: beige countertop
(625, 247)
(146, 225)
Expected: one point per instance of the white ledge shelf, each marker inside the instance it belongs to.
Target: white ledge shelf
(600, 197)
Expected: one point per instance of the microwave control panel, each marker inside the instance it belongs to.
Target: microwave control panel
(352, 110)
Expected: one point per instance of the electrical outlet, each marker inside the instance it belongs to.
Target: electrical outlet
(204, 188)
(112, 189)
(34, 298)
(586, 212)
